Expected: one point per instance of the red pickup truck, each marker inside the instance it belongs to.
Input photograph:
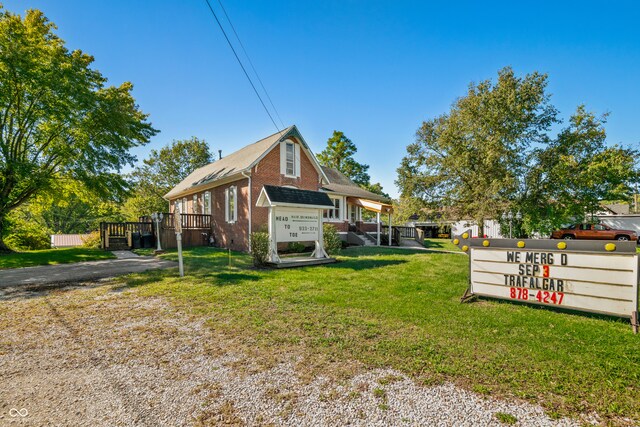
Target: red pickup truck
(594, 232)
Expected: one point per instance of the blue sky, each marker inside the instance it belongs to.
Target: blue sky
(372, 69)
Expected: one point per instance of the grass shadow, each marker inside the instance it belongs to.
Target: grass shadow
(554, 309)
(363, 264)
(29, 292)
(233, 278)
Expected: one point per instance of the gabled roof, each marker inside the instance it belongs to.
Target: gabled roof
(272, 195)
(237, 162)
(617, 208)
(341, 184)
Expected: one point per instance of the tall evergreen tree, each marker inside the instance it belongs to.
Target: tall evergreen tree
(339, 155)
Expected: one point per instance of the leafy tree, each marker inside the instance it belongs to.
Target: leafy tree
(469, 162)
(410, 209)
(162, 171)
(27, 232)
(339, 155)
(58, 120)
(492, 153)
(73, 208)
(574, 173)
(68, 208)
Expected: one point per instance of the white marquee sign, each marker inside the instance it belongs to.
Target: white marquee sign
(590, 282)
(598, 277)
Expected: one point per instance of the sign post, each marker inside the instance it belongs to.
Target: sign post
(289, 224)
(588, 275)
(177, 224)
(295, 216)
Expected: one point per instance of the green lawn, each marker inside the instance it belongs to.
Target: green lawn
(442, 244)
(52, 256)
(401, 309)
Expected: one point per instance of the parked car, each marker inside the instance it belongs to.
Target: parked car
(594, 232)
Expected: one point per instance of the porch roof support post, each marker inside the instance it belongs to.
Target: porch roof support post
(390, 230)
(378, 220)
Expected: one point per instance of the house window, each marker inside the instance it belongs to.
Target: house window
(291, 159)
(183, 208)
(333, 214)
(207, 203)
(194, 207)
(231, 205)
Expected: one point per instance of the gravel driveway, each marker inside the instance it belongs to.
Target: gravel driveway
(106, 357)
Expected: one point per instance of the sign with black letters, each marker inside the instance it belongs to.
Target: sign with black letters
(593, 276)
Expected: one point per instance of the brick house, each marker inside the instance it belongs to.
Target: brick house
(228, 189)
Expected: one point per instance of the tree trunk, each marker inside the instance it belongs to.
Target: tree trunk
(3, 246)
(481, 228)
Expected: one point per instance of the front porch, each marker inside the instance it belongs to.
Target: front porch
(370, 234)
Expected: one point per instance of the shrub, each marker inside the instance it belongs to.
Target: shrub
(260, 248)
(332, 242)
(92, 240)
(25, 233)
(295, 247)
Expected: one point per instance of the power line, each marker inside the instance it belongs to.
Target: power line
(251, 63)
(242, 66)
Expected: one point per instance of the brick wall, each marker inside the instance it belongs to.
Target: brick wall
(234, 235)
(267, 172)
(341, 227)
(370, 227)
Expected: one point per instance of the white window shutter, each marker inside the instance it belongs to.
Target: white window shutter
(283, 158)
(226, 205)
(235, 204)
(297, 160)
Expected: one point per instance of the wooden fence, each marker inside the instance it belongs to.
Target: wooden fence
(402, 232)
(406, 232)
(396, 234)
(196, 229)
(117, 231)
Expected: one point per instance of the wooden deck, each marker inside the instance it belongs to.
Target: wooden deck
(303, 261)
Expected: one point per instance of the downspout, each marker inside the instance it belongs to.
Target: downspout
(248, 176)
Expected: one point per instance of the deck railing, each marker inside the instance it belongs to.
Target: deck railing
(189, 221)
(120, 229)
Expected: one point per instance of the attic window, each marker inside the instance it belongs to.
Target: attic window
(291, 159)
